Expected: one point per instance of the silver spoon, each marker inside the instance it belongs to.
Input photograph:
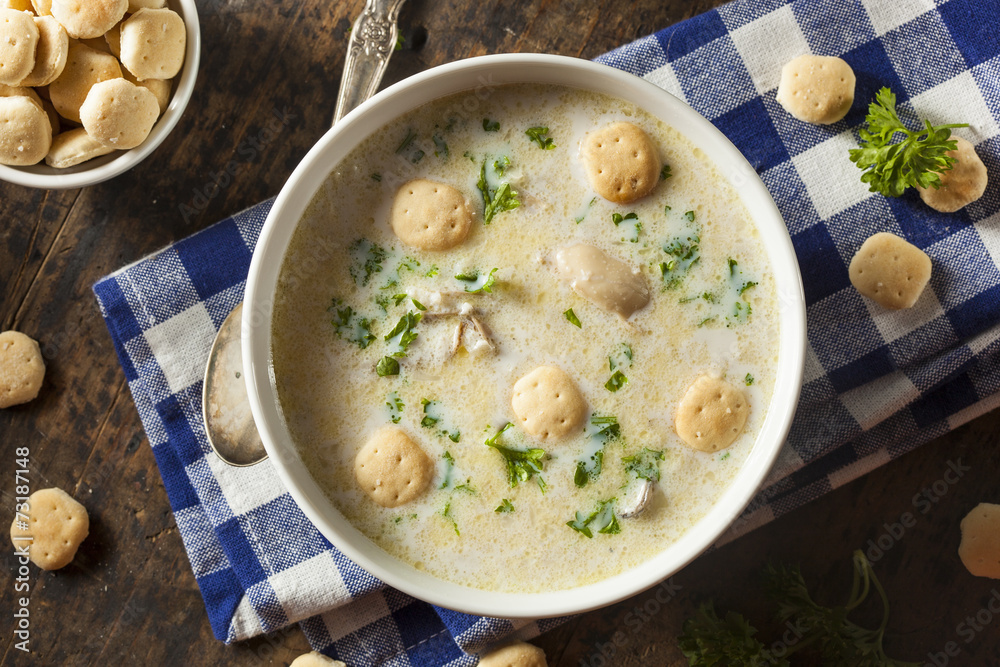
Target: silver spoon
(228, 421)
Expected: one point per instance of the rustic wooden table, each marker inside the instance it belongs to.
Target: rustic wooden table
(130, 596)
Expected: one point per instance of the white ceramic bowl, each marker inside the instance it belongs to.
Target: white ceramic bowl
(108, 166)
(414, 92)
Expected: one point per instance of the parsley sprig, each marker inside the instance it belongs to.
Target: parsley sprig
(917, 160)
(711, 640)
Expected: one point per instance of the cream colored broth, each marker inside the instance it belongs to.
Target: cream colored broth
(333, 400)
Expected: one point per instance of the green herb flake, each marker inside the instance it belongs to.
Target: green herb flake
(621, 358)
(602, 519)
(748, 380)
(616, 382)
(644, 464)
(377, 177)
(418, 305)
(431, 272)
(495, 200)
(579, 219)
(522, 465)
(410, 136)
(573, 319)
(349, 326)
(665, 172)
(474, 277)
(724, 456)
(500, 166)
(387, 366)
(491, 125)
(684, 253)
(689, 216)
(607, 427)
(537, 134)
(395, 405)
(449, 466)
(366, 261)
(405, 330)
(428, 421)
(417, 156)
(446, 513)
(441, 148)
(505, 507)
(472, 158)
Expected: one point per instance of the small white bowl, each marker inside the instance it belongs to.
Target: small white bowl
(108, 166)
(368, 118)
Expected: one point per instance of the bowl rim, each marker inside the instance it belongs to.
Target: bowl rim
(415, 91)
(106, 167)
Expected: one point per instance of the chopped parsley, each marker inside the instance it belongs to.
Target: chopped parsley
(431, 272)
(446, 513)
(428, 421)
(644, 464)
(396, 405)
(724, 456)
(480, 283)
(602, 519)
(495, 200)
(377, 177)
(500, 166)
(404, 330)
(418, 305)
(622, 357)
(748, 380)
(387, 366)
(741, 308)
(505, 507)
(537, 134)
(616, 382)
(410, 136)
(600, 432)
(573, 319)
(585, 211)
(449, 466)
(432, 418)
(607, 427)
(366, 261)
(441, 148)
(417, 156)
(348, 325)
(632, 224)
(491, 125)
(689, 216)
(684, 252)
(472, 158)
(522, 465)
(665, 172)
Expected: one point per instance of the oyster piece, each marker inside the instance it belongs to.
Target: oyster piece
(605, 281)
(635, 499)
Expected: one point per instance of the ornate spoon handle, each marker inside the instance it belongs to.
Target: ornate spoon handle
(373, 40)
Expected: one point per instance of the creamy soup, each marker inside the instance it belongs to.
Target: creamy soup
(553, 516)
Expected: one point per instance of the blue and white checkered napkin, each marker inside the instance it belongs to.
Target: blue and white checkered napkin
(877, 384)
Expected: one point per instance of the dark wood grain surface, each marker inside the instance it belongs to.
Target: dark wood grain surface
(130, 597)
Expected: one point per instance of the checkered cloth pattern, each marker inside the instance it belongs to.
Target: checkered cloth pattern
(878, 383)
